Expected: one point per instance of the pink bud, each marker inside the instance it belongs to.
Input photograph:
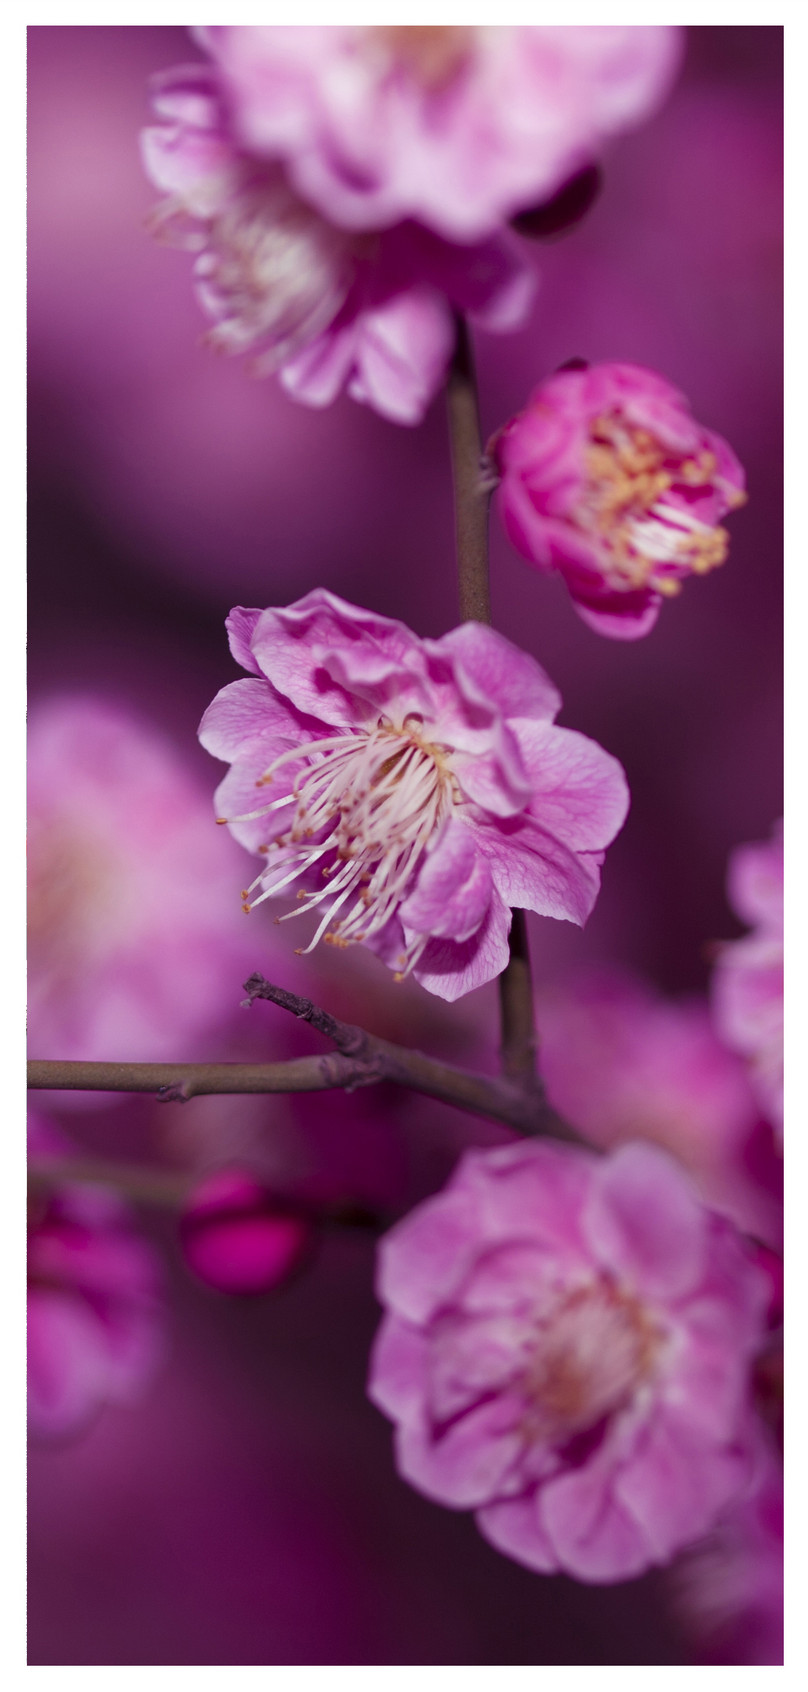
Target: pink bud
(237, 1237)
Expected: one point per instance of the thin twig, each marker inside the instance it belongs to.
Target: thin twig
(472, 493)
(361, 1060)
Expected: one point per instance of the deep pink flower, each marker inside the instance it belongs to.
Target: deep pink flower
(325, 307)
(607, 478)
(566, 1350)
(729, 1588)
(237, 1238)
(94, 1308)
(134, 949)
(748, 979)
(458, 127)
(414, 789)
(623, 1063)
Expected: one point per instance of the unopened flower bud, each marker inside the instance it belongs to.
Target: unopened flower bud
(238, 1237)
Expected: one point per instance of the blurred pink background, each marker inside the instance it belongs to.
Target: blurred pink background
(248, 1510)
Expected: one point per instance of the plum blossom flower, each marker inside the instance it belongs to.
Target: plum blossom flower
(748, 980)
(238, 1238)
(94, 1306)
(414, 789)
(565, 1351)
(134, 952)
(607, 478)
(729, 1588)
(323, 306)
(623, 1062)
(458, 127)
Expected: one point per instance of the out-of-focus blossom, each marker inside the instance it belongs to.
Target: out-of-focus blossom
(134, 952)
(459, 127)
(435, 791)
(566, 1351)
(748, 978)
(607, 478)
(94, 1308)
(236, 1238)
(729, 1588)
(624, 1063)
(326, 307)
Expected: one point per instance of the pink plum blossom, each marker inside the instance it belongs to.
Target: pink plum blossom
(238, 1238)
(324, 306)
(729, 1588)
(748, 978)
(623, 1062)
(134, 951)
(607, 478)
(458, 127)
(414, 789)
(94, 1308)
(565, 1351)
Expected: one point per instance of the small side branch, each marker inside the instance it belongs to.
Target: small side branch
(518, 1046)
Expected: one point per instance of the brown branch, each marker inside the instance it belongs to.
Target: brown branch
(359, 1061)
(472, 493)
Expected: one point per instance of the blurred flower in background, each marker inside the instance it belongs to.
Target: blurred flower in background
(95, 1314)
(729, 1588)
(324, 307)
(566, 1350)
(458, 127)
(137, 948)
(748, 979)
(623, 1062)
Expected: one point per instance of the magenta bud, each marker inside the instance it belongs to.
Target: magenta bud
(239, 1237)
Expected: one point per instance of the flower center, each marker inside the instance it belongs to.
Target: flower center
(432, 54)
(637, 501)
(591, 1353)
(369, 803)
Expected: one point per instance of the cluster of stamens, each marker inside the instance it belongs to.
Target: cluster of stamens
(593, 1349)
(649, 537)
(365, 809)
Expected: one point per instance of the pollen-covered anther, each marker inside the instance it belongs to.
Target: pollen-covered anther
(593, 1350)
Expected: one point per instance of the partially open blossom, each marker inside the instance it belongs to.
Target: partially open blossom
(748, 979)
(459, 127)
(607, 478)
(623, 1062)
(729, 1588)
(565, 1350)
(94, 1307)
(414, 790)
(133, 950)
(236, 1238)
(323, 306)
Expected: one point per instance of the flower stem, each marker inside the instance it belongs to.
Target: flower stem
(471, 494)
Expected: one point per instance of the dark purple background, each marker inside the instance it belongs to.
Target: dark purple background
(248, 1511)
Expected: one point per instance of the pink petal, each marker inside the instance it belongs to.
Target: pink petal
(424, 1259)
(451, 968)
(593, 1535)
(397, 1380)
(643, 1220)
(453, 890)
(580, 792)
(468, 1464)
(513, 1525)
